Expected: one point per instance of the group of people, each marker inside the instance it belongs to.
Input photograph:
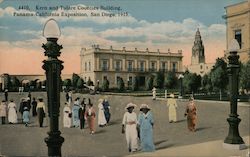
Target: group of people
(8, 111)
(190, 112)
(141, 128)
(82, 111)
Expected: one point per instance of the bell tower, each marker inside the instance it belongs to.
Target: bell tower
(198, 55)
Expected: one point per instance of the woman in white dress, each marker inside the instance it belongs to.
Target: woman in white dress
(67, 114)
(172, 107)
(129, 127)
(101, 117)
(12, 112)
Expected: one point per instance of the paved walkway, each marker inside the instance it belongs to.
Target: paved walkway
(206, 149)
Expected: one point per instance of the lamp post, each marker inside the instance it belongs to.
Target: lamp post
(181, 85)
(233, 140)
(53, 68)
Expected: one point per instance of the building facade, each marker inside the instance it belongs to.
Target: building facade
(238, 27)
(198, 64)
(98, 64)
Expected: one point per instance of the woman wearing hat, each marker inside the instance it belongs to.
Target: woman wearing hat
(90, 117)
(172, 107)
(26, 112)
(129, 127)
(191, 114)
(101, 117)
(12, 112)
(67, 114)
(146, 122)
(40, 108)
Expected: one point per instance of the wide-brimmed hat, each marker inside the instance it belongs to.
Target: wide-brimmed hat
(144, 106)
(130, 105)
(171, 95)
(100, 100)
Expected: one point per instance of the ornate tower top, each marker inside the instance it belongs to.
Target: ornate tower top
(198, 55)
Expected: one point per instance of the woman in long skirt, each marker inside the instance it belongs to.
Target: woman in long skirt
(191, 115)
(34, 104)
(129, 127)
(26, 115)
(12, 114)
(172, 107)
(82, 113)
(40, 111)
(146, 122)
(90, 117)
(67, 114)
(101, 117)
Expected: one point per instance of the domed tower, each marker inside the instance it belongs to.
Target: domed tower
(198, 55)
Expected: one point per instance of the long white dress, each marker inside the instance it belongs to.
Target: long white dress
(12, 116)
(66, 118)
(172, 106)
(101, 116)
(130, 122)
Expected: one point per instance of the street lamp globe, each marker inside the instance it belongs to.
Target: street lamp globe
(51, 29)
(234, 45)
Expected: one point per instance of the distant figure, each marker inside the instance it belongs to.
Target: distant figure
(34, 104)
(75, 113)
(101, 117)
(29, 100)
(67, 97)
(26, 112)
(70, 97)
(146, 122)
(6, 95)
(67, 114)
(154, 93)
(82, 113)
(12, 114)
(90, 117)
(40, 111)
(129, 127)
(106, 107)
(3, 111)
(172, 107)
(21, 106)
(191, 115)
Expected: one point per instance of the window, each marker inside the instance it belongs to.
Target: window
(174, 68)
(89, 66)
(85, 66)
(130, 79)
(141, 66)
(104, 65)
(200, 66)
(130, 65)
(117, 79)
(117, 65)
(152, 66)
(164, 66)
(238, 37)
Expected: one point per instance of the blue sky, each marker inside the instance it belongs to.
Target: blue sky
(155, 24)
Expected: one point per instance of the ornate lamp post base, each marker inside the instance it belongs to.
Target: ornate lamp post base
(54, 143)
(233, 140)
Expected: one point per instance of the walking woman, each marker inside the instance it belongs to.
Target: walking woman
(172, 107)
(101, 117)
(191, 115)
(34, 104)
(26, 112)
(12, 114)
(67, 114)
(40, 111)
(3, 111)
(146, 122)
(129, 127)
(106, 107)
(90, 117)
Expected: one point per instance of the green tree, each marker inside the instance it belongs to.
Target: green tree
(170, 80)
(120, 85)
(105, 85)
(149, 82)
(80, 83)
(158, 80)
(245, 76)
(67, 83)
(75, 78)
(191, 82)
(206, 83)
(135, 84)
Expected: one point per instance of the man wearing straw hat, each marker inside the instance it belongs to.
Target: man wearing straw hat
(129, 127)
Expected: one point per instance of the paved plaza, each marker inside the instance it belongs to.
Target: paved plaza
(18, 140)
